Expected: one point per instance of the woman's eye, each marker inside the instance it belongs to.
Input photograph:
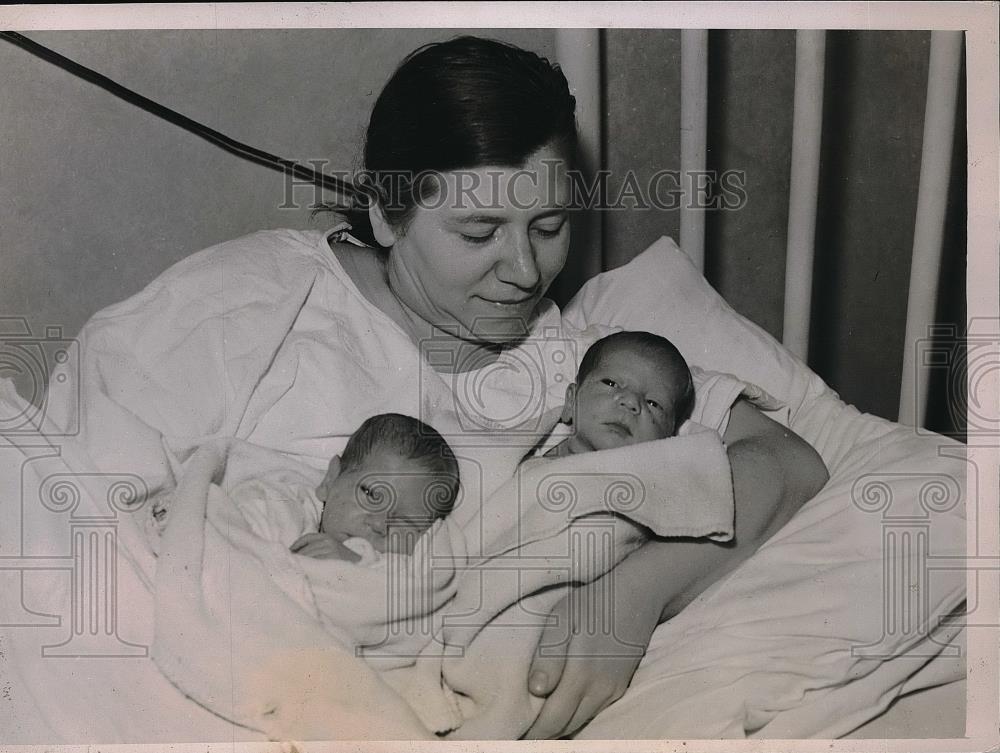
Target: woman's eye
(609, 382)
(367, 491)
(550, 232)
(478, 239)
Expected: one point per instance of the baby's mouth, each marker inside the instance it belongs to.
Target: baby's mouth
(619, 428)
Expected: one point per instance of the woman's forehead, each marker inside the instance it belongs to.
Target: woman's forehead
(541, 184)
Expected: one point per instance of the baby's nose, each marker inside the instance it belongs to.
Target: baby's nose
(629, 401)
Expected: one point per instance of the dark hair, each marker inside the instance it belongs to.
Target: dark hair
(464, 103)
(411, 439)
(649, 345)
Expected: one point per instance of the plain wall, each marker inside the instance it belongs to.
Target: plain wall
(875, 90)
(99, 196)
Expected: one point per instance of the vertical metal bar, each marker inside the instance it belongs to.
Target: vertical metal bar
(807, 127)
(578, 52)
(928, 233)
(694, 130)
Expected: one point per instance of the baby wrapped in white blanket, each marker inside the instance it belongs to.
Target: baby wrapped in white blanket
(335, 548)
(396, 477)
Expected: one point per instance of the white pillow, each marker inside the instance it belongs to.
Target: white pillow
(680, 305)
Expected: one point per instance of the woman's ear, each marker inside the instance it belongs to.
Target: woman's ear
(569, 407)
(381, 228)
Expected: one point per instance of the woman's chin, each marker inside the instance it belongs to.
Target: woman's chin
(502, 327)
(500, 337)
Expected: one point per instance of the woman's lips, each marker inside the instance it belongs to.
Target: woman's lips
(508, 302)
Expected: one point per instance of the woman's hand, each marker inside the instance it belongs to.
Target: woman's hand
(586, 669)
(324, 547)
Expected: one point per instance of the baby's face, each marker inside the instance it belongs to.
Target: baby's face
(627, 398)
(381, 501)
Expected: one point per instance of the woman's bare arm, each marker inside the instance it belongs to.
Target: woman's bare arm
(774, 473)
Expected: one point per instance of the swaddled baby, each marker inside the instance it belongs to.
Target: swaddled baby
(631, 387)
(396, 476)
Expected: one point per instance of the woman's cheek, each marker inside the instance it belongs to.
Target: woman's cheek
(558, 259)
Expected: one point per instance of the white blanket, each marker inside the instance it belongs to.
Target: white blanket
(392, 611)
(265, 339)
(561, 521)
(385, 606)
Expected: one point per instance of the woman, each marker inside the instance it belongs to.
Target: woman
(468, 200)
(456, 266)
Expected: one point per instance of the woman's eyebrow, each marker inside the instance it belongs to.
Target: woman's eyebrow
(556, 212)
(490, 219)
(480, 219)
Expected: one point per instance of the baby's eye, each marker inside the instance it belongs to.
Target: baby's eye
(654, 405)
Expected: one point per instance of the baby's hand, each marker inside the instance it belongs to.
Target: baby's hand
(323, 546)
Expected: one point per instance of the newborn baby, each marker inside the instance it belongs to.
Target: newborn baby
(631, 387)
(396, 476)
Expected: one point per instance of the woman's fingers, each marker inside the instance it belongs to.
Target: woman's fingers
(559, 709)
(547, 669)
(588, 672)
(580, 697)
(590, 706)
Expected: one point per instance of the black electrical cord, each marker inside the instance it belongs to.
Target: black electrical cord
(232, 146)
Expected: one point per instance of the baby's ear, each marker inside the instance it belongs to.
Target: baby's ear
(569, 407)
(332, 471)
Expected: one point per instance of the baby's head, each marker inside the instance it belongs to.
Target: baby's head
(395, 478)
(631, 387)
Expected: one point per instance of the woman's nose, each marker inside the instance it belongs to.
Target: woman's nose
(519, 266)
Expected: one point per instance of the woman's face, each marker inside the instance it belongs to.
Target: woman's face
(476, 258)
